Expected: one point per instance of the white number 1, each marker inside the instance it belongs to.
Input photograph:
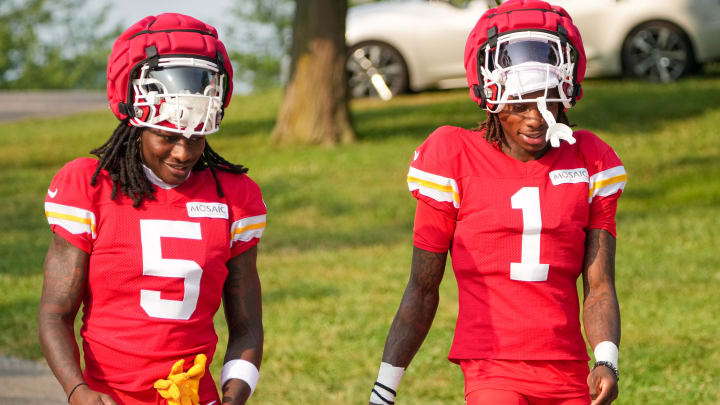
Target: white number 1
(154, 264)
(527, 199)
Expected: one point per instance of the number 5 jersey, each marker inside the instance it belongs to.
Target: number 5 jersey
(516, 233)
(156, 272)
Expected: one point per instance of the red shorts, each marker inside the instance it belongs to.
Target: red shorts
(536, 382)
(150, 397)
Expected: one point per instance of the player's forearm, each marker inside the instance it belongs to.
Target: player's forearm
(601, 311)
(243, 313)
(57, 339)
(245, 343)
(242, 299)
(601, 317)
(417, 308)
(410, 327)
(64, 285)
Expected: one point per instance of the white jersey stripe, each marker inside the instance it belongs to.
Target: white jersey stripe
(442, 189)
(607, 182)
(247, 228)
(72, 219)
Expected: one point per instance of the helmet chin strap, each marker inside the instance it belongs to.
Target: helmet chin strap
(556, 131)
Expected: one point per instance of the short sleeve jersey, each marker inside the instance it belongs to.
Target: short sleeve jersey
(516, 234)
(156, 272)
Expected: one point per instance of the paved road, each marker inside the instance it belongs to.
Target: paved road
(15, 105)
(25, 382)
(28, 383)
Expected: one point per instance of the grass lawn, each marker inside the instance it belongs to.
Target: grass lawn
(335, 256)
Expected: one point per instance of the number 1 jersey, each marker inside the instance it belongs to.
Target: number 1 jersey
(156, 272)
(516, 234)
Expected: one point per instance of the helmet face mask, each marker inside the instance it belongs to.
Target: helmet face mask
(183, 95)
(526, 62)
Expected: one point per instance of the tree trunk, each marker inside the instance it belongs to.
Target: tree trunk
(315, 108)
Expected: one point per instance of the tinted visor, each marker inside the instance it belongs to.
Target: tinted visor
(182, 79)
(514, 53)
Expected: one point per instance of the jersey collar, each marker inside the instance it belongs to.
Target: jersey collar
(154, 179)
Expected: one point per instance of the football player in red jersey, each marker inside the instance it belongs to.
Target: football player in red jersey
(155, 234)
(525, 206)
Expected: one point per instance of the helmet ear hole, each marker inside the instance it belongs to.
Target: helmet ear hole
(478, 91)
(480, 94)
(490, 93)
(142, 113)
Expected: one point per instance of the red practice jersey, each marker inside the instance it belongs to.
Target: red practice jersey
(516, 234)
(156, 272)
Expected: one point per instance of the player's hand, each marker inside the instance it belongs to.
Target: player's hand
(83, 395)
(603, 386)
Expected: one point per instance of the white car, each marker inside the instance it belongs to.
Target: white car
(401, 45)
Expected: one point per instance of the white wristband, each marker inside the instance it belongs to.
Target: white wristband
(242, 370)
(607, 351)
(387, 383)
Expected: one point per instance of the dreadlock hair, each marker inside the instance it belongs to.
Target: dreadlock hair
(119, 155)
(494, 132)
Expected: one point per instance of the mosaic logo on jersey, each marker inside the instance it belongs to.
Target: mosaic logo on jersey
(207, 210)
(569, 176)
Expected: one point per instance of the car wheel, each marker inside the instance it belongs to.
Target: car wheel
(657, 51)
(376, 69)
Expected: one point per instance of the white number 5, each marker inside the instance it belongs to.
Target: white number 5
(151, 231)
(527, 199)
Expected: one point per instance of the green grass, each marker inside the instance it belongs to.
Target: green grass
(335, 256)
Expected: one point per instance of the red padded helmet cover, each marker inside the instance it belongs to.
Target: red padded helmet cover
(171, 34)
(518, 15)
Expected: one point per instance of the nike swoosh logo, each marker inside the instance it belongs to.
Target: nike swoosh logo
(416, 155)
(52, 194)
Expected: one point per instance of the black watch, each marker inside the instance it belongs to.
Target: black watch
(608, 365)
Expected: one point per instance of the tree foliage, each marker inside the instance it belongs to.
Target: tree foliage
(263, 36)
(43, 44)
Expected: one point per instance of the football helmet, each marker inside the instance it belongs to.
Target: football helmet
(521, 47)
(170, 72)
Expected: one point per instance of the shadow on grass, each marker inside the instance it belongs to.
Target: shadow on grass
(620, 106)
(635, 107)
(236, 128)
(300, 290)
(417, 120)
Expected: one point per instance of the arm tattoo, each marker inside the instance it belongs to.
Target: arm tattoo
(417, 308)
(63, 290)
(601, 311)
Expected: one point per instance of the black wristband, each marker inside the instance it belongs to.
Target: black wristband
(73, 390)
(609, 366)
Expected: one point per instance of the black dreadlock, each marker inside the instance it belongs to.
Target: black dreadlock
(119, 155)
(494, 132)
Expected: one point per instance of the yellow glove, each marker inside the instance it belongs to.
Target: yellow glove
(181, 388)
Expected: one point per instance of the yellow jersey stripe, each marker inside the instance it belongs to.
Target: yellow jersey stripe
(439, 187)
(602, 183)
(250, 227)
(73, 218)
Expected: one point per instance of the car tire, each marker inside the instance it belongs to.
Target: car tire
(658, 51)
(373, 57)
